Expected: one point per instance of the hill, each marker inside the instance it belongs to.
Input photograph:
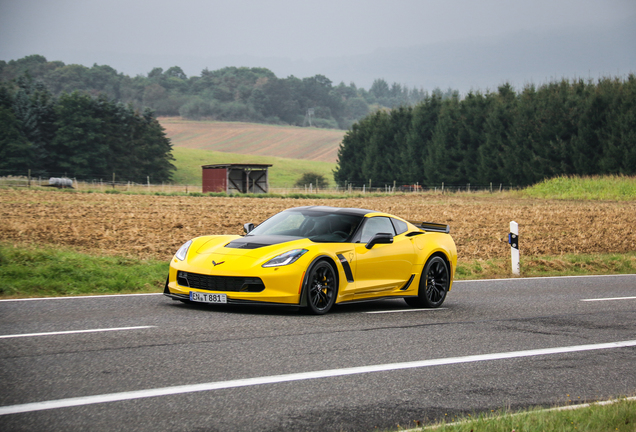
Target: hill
(283, 173)
(254, 139)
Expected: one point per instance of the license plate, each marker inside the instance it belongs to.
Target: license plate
(207, 298)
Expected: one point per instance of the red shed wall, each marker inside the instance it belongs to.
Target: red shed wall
(214, 180)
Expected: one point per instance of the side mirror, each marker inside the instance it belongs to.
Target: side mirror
(379, 238)
(248, 227)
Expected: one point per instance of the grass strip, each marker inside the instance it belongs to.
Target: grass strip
(608, 187)
(596, 417)
(561, 265)
(28, 270)
(42, 271)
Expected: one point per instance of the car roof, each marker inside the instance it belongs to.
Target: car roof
(335, 210)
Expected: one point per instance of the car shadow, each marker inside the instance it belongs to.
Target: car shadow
(384, 305)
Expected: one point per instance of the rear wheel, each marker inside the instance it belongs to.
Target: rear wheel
(434, 285)
(321, 288)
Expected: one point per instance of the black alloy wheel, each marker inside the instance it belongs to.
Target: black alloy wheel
(321, 288)
(433, 285)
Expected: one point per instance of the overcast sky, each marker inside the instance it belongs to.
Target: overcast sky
(349, 40)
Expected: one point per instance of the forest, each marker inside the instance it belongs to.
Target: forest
(567, 127)
(230, 94)
(77, 135)
(58, 119)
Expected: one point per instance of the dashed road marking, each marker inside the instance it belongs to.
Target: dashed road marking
(73, 332)
(404, 310)
(609, 299)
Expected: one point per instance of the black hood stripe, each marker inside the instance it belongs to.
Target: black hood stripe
(255, 242)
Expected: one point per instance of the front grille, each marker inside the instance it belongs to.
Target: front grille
(219, 283)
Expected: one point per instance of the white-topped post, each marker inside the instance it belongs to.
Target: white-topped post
(513, 239)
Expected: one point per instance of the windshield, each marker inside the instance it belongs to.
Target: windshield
(316, 225)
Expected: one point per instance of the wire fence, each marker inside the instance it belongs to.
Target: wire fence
(99, 185)
(95, 185)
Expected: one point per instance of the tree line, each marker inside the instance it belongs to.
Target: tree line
(77, 135)
(231, 93)
(567, 127)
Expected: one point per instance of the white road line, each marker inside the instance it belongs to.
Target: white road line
(79, 297)
(166, 391)
(73, 332)
(541, 277)
(404, 310)
(608, 299)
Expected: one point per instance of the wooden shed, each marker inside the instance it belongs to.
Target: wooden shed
(236, 178)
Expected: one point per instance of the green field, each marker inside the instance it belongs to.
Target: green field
(282, 174)
(614, 188)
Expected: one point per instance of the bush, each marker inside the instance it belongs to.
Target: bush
(315, 179)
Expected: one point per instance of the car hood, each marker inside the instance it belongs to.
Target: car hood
(212, 255)
(250, 246)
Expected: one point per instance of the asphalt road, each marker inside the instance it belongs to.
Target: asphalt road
(494, 344)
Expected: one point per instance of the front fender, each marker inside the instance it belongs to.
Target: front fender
(303, 296)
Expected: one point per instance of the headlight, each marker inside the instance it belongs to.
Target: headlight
(183, 251)
(286, 258)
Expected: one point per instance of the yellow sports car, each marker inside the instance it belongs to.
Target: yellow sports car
(315, 257)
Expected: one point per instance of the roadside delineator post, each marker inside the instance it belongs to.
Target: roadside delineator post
(513, 239)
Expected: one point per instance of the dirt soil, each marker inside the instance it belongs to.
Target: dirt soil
(155, 226)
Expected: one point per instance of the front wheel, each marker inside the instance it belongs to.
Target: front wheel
(321, 288)
(434, 285)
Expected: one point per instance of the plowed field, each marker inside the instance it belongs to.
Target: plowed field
(155, 226)
(255, 139)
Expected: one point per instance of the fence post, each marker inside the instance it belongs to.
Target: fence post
(442, 188)
(513, 239)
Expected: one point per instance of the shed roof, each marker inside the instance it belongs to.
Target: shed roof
(237, 165)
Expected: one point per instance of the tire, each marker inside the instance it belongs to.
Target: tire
(434, 284)
(321, 288)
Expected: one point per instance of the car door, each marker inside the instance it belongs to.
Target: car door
(384, 267)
